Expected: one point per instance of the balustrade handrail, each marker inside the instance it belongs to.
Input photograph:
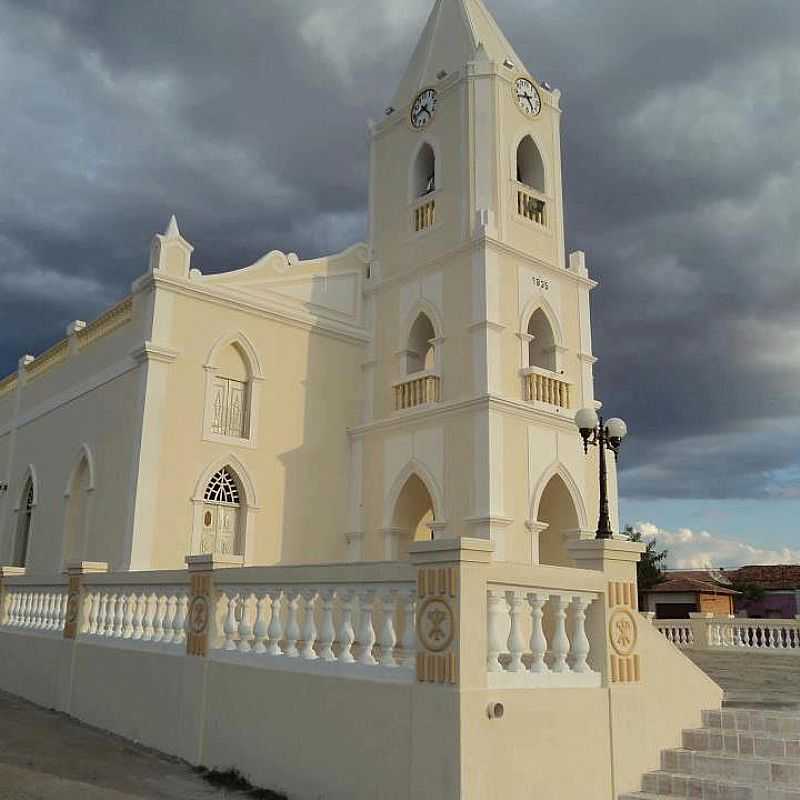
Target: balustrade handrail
(32, 581)
(546, 577)
(370, 572)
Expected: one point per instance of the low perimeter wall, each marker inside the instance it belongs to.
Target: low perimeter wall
(451, 677)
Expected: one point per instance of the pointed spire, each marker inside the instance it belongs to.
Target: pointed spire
(172, 231)
(453, 35)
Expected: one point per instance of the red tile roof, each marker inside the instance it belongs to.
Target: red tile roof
(686, 584)
(773, 576)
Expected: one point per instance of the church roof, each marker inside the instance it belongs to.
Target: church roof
(452, 35)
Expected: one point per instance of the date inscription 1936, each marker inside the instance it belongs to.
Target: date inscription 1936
(542, 284)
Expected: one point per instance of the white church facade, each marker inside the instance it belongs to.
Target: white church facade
(422, 384)
(330, 523)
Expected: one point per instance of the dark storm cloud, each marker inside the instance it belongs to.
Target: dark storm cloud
(247, 118)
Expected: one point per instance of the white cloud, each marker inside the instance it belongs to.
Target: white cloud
(690, 549)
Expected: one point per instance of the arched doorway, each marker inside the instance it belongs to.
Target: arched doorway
(220, 514)
(557, 511)
(420, 346)
(413, 516)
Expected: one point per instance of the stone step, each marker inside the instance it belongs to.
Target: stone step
(747, 769)
(677, 784)
(747, 743)
(769, 721)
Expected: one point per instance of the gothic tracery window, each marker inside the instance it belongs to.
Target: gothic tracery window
(220, 515)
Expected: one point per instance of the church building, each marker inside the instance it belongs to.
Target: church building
(420, 385)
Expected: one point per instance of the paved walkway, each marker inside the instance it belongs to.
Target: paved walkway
(48, 756)
(748, 677)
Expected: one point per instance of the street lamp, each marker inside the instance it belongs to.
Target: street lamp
(608, 436)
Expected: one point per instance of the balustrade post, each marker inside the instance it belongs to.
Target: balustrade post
(612, 623)
(78, 595)
(452, 611)
(203, 625)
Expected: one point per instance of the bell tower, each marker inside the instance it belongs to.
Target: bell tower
(481, 344)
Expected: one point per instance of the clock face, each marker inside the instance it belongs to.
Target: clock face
(423, 108)
(527, 96)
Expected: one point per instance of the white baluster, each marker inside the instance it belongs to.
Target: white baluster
(150, 609)
(25, 609)
(158, 618)
(560, 644)
(538, 644)
(309, 628)
(47, 611)
(170, 610)
(261, 628)
(346, 633)
(366, 631)
(231, 625)
(327, 632)
(139, 609)
(292, 626)
(94, 610)
(409, 642)
(275, 626)
(179, 622)
(13, 603)
(496, 617)
(62, 614)
(119, 616)
(388, 636)
(108, 613)
(245, 628)
(580, 641)
(34, 615)
(131, 601)
(516, 641)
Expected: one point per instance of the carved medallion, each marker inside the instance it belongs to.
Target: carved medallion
(436, 625)
(622, 632)
(198, 616)
(73, 606)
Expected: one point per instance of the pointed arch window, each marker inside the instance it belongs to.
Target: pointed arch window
(22, 538)
(232, 392)
(221, 514)
(530, 182)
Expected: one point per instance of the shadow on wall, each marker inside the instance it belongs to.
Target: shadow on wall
(316, 473)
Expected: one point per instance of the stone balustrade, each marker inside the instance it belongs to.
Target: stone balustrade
(35, 608)
(417, 390)
(144, 614)
(543, 386)
(531, 204)
(706, 632)
(538, 637)
(424, 215)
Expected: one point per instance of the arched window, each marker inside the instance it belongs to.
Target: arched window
(542, 345)
(25, 515)
(76, 545)
(220, 530)
(231, 395)
(425, 171)
(530, 167)
(420, 349)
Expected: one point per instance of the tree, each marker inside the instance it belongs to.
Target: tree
(650, 570)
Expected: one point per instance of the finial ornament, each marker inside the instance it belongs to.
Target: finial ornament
(172, 231)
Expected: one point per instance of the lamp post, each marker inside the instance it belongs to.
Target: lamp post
(606, 436)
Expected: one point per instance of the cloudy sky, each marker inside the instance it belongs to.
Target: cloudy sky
(247, 118)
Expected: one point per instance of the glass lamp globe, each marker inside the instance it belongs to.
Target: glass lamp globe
(616, 429)
(586, 419)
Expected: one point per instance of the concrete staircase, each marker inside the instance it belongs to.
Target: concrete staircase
(738, 754)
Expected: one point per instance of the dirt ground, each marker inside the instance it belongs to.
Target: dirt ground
(45, 755)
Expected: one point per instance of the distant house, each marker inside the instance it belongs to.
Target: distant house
(689, 591)
(757, 592)
(780, 584)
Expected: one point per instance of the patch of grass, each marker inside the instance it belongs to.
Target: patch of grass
(233, 781)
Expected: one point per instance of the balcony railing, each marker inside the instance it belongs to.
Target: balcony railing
(531, 205)
(417, 390)
(543, 386)
(424, 215)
